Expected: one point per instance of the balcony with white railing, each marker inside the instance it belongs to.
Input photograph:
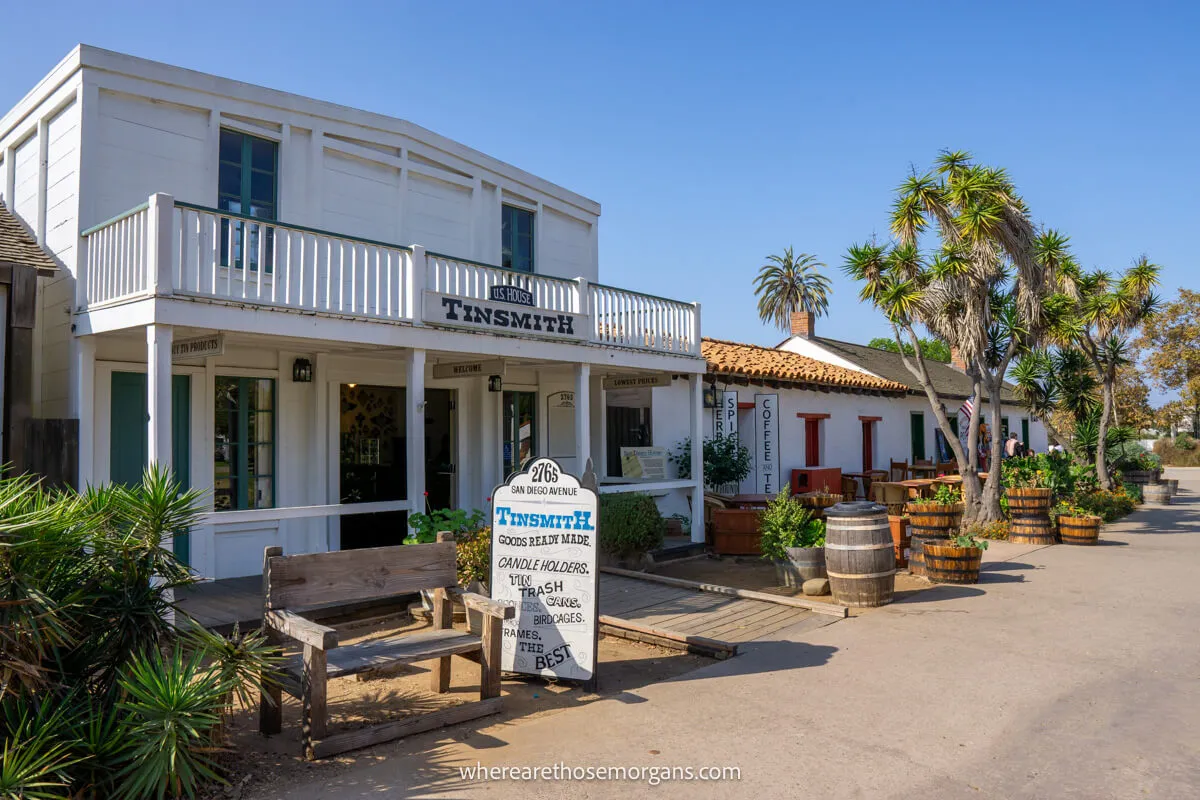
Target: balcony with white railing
(168, 248)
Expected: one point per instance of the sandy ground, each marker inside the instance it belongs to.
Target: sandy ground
(273, 764)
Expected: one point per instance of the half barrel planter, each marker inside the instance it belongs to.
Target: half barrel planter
(929, 522)
(859, 555)
(802, 564)
(1079, 530)
(735, 532)
(948, 563)
(1156, 494)
(901, 539)
(1029, 510)
(1173, 485)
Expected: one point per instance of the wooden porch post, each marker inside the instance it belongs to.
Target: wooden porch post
(158, 390)
(696, 404)
(414, 425)
(583, 416)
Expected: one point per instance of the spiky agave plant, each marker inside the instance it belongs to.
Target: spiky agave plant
(172, 705)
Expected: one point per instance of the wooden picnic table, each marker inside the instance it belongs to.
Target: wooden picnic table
(949, 480)
(918, 487)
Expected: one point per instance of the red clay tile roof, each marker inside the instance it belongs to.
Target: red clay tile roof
(765, 363)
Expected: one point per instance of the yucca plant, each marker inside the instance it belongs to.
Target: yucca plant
(173, 705)
(36, 757)
(246, 660)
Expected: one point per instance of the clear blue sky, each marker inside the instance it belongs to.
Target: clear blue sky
(715, 134)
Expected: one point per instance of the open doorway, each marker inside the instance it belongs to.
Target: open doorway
(441, 468)
(373, 464)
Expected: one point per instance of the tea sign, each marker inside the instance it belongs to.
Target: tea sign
(544, 548)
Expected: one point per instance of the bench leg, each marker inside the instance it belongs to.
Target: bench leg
(489, 658)
(313, 720)
(270, 708)
(443, 611)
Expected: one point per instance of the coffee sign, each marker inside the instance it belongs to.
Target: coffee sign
(484, 315)
(766, 442)
(544, 546)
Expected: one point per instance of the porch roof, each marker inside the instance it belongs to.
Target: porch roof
(754, 362)
(18, 246)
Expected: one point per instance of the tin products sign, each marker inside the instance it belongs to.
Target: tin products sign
(544, 546)
(198, 347)
(766, 442)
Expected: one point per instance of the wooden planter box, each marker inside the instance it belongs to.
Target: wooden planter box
(735, 532)
(1079, 530)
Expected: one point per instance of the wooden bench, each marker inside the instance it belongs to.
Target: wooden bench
(293, 583)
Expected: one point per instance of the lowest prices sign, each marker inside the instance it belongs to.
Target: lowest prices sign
(544, 550)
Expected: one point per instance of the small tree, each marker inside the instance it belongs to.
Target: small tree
(931, 349)
(1171, 341)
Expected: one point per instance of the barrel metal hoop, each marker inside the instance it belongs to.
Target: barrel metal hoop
(887, 546)
(860, 576)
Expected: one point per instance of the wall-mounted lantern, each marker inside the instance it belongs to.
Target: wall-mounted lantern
(495, 383)
(302, 371)
(710, 396)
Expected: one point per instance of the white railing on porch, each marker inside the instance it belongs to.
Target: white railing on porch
(165, 247)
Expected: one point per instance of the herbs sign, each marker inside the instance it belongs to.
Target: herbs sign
(544, 549)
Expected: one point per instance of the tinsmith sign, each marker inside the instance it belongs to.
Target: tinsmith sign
(485, 315)
(544, 549)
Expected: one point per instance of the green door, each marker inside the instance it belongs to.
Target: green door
(127, 450)
(918, 435)
(1025, 431)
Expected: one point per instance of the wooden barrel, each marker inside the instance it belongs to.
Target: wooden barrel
(1156, 494)
(859, 554)
(901, 539)
(1079, 530)
(1173, 485)
(802, 564)
(1029, 510)
(948, 563)
(1139, 476)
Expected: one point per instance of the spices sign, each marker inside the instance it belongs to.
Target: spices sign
(544, 548)
(725, 414)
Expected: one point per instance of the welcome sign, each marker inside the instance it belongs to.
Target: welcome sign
(544, 547)
(484, 315)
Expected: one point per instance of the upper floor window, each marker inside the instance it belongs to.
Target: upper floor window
(247, 183)
(516, 238)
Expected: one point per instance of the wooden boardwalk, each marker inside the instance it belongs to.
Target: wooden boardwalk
(686, 611)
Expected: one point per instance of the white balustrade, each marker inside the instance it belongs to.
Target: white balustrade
(629, 319)
(258, 262)
(115, 260)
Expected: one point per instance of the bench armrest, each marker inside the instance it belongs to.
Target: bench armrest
(485, 605)
(302, 630)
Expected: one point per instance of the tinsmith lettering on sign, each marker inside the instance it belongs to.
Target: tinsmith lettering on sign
(484, 315)
(766, 442)
(725, 414)
(544, 561)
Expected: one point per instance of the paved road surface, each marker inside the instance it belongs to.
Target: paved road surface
(1070, 673)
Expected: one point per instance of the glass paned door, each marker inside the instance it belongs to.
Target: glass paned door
(520, 428)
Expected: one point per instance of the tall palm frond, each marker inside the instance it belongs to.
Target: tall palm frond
(789, 283)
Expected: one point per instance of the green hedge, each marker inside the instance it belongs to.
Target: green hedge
(630, 524)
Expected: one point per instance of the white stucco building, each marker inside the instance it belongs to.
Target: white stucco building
(324, 318)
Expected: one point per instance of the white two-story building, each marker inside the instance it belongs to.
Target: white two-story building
(324, 318)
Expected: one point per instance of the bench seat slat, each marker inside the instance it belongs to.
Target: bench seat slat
(403, 649)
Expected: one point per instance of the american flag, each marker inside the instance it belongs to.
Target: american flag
(967, 408)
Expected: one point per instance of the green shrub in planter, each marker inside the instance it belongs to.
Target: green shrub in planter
(787, 523)
(630, 524)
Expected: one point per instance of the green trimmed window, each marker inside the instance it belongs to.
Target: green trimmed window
(244, 450)
(516, 237)
(248, 184)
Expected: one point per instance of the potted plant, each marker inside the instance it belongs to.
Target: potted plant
(1029, 496)
(1076, 525)
(726, 461)
(932, 519)
(954, 560)
(792, 540)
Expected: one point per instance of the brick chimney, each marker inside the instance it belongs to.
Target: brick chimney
(804, 324)
(956, 360)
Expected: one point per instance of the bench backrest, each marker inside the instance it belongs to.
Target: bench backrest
(348, 575)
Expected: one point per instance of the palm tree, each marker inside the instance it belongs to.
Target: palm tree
(790, 283)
